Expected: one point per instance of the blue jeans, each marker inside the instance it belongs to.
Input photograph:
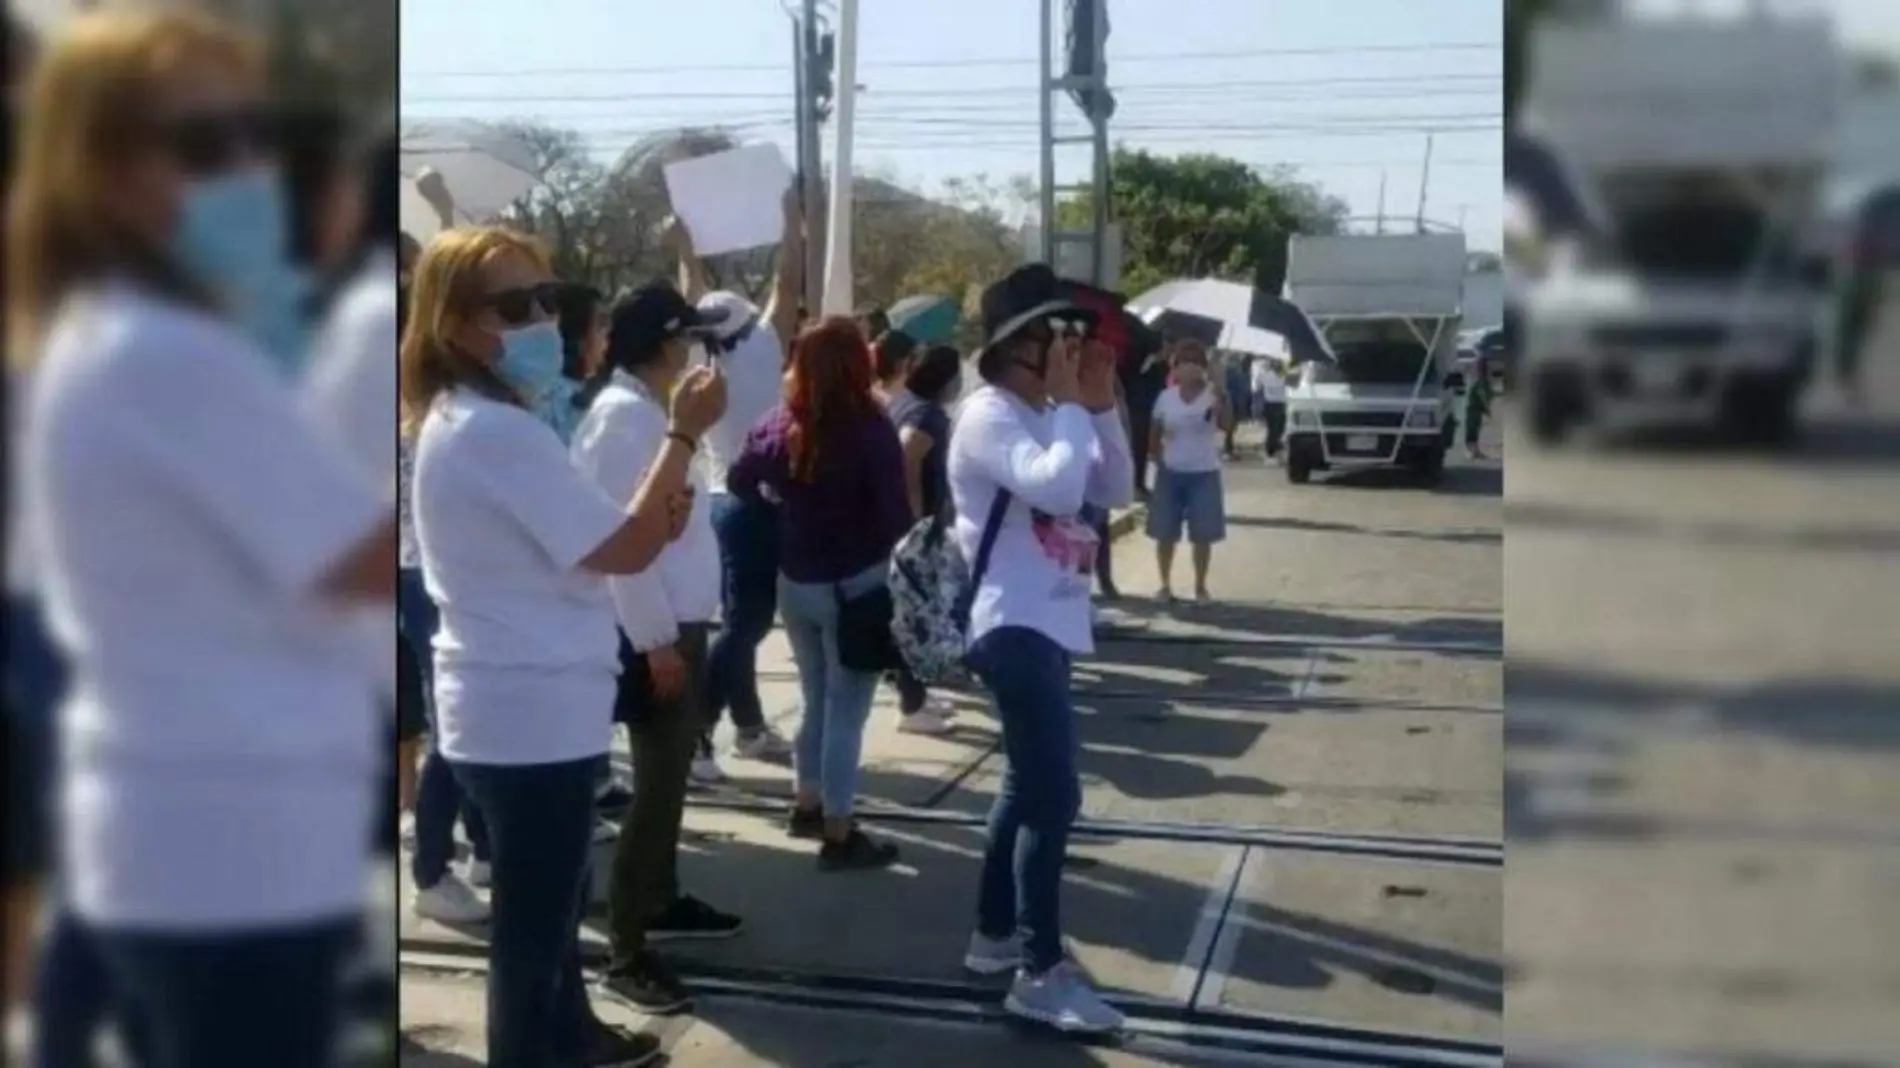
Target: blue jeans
(233, 1000)
(439, 799)
(748, 559)
(1021, 888)
(73, 997)
(837, 699)
(541, 822)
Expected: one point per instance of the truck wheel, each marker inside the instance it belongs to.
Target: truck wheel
(1299, 465)
(1762, 413)
(1428, 465)
(1551, 411)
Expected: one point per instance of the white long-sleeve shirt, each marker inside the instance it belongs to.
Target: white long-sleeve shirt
(616, 442)
(1041, 571)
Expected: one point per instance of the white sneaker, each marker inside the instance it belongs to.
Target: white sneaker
(707, 772)
(480, 875)
(925, 721)
(450, 901)
(606, 831)
(1062, 999)
(763, 744)
(993, 956)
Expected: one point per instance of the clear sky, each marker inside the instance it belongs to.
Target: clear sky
(1347, 91)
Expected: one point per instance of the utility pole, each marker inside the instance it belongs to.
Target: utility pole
(814, 57)
(1424, 182)
(1083, 76)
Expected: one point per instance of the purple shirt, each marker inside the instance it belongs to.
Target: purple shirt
(850, 516)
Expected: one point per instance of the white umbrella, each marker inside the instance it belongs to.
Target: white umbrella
(1230, 303)
(417, 217)
(485, 168)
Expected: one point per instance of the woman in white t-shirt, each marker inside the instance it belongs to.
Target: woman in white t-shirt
(1191, 418)
(1030, 449)
(516, 548)
(195, 539)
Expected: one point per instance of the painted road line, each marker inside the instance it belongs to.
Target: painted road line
(1220, 897)
(1220, 960)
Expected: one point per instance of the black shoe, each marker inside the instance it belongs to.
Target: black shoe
(612, 801)
(806, 823)
(614, 1047)
(858, 852)
(647, 984)
(689, 917)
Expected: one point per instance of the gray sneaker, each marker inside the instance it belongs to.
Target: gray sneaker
(993, 956)
(1062, 999)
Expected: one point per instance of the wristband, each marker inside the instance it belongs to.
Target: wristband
(683, 439)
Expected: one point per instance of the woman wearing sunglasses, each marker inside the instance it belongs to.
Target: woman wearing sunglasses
(195, 537)
(516, 549)
(1038, 442)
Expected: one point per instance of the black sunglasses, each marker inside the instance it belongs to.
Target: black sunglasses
(516, 306)
(215, 141)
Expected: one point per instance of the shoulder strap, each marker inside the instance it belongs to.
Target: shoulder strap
(985, 545)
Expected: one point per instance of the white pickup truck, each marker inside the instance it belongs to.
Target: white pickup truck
(1387, 307)
(1701, 146)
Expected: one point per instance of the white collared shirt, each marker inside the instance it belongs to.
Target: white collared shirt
(526, 657)
(755, 376)
(220, 749)
(616, 443)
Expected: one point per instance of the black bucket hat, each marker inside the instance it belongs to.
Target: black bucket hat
(1022, 297)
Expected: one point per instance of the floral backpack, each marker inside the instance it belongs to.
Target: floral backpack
(932, 590)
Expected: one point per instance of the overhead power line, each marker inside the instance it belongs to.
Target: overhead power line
(991, 61)
(874, 93)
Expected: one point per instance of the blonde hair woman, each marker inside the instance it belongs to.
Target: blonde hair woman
(516, 547)
(192, 534)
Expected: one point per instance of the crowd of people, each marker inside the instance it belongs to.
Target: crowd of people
(200, 307)
(597, 508)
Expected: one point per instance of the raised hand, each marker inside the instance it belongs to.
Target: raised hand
(698, 401)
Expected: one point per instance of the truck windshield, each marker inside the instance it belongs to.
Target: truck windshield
(1375, 353)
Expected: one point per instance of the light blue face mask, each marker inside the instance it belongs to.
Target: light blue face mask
(233, 235)
(530, 364)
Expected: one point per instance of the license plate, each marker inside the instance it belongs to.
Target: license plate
(1654, 377)
(1362, 443)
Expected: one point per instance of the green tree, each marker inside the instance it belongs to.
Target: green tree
(1204, 216)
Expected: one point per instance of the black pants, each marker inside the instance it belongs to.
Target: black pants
(665, 736)
(540, 823)
(1139, 419)
(1474, 425)
(1104, 552)
(233, 1000)
(1273, 413)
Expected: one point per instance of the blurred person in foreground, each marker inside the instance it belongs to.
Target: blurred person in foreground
(918, 399)
(750, 348)
(665, 615)
(216, 858)
(516, 549)
(1036, 443)
(827, 465)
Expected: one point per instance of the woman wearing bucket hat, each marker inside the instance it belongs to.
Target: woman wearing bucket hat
(1039, 441)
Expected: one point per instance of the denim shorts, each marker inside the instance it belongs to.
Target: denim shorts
(1187, 499)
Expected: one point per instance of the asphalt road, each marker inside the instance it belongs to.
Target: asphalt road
(1292, 809)
(1704, 730)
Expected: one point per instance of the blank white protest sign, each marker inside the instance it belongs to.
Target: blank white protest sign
(733, 200)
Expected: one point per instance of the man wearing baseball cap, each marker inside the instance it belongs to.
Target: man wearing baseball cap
(665, 615)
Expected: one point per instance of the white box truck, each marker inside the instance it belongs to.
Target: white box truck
(1388, 307)
(1702, 145)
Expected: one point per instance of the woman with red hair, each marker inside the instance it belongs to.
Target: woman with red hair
(828, 460)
